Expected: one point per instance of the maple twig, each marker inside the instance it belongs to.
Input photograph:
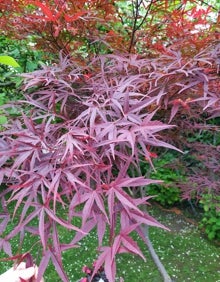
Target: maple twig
(145, 16)
(154, 256)
(135, 8)
(135, 14)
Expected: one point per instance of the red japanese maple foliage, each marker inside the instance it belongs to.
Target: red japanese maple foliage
(71, 148)
(83, 129)
(59, 24)
(76, 141)
(98, 26)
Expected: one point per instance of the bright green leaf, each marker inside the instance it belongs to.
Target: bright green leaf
(3, 119)
(9, 61)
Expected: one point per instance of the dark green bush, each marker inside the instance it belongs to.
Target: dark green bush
(211, 217)
(167, 193)
(29, 59)
(24, 52)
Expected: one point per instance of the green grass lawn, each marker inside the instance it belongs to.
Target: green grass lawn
(186, 254)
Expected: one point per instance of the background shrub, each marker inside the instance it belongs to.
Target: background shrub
(211, 217)
(167, 193)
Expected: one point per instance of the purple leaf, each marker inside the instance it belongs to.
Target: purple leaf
(125, 200)
(42, 228)
(43, 264)
(88, 226)
(58, 266)
(131, 246)
(62, 222)
(5, 218)
(6, 246)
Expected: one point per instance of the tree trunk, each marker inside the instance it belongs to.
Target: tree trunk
(155, 257)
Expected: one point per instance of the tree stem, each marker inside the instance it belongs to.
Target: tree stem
(154, 256)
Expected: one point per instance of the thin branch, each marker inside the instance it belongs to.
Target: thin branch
(154, 256)
(135, 14)
(145, 16)
(133, 9)
(136, 8)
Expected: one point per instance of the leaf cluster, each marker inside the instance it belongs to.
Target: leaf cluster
(211, 218)
(71, 149)
(83, 128)
(168, 170)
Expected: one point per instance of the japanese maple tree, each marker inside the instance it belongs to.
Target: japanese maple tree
(72, 148)
(87, 121)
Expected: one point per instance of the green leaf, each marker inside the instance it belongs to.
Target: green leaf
(206, 208)
(3, 119)
(9, 61)
(211, 235)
